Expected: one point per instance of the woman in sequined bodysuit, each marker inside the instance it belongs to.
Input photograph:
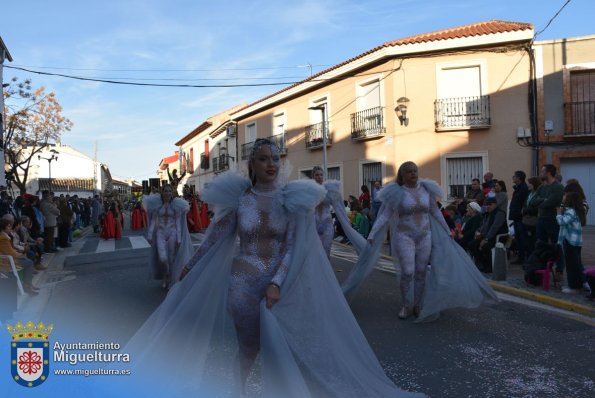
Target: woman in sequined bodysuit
(412, 238)
(265, 246)
(322, 214)
(165, 233)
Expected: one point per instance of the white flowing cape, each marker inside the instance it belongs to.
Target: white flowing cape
(311, 344)
(452, 280)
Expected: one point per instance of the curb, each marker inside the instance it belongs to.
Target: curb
(540, 298)
(554, 302)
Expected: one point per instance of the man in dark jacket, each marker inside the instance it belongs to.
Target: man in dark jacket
(519, 197)
(494, 223)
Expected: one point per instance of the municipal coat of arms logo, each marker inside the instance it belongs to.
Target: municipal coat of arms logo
(29, 353)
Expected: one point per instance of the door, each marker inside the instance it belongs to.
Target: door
(583, 169)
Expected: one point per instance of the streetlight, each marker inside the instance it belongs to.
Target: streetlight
(322, 108)
(53, 157)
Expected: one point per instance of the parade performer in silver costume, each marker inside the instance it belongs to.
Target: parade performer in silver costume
(420, 237)
(269, 296)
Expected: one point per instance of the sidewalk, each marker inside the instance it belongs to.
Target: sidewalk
(515, 284)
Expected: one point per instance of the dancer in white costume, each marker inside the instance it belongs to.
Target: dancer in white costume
(272, 297)
(419, 237)
(168, 235)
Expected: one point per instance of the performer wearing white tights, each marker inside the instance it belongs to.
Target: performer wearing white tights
(411, 239)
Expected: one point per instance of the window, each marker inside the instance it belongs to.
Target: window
(580, 110)
(279, 123)
(367, 121)
(461, 101)
(371, 172)
(369, 95)
(333, 173)
(250, 132)
(191, 168)
(459, 173)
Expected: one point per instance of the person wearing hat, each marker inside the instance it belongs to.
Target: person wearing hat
(471, 223)
(494, 223)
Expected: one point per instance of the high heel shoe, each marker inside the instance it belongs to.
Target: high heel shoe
(404, 313)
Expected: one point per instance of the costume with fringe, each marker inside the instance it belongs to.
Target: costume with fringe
(452, 279)
(310, 343)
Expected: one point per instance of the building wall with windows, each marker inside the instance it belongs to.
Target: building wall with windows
(208, 150)
(466, 92)
(565, 81)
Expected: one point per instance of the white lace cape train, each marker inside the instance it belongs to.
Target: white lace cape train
(311, 344)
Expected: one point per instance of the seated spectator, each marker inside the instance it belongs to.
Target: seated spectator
(34, 246)
(471, 224)
(360, 221)
(537, 260)
(493, 224)
(475, 194)
(22, 262)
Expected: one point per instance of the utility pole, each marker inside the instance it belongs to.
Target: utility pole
(4, 54)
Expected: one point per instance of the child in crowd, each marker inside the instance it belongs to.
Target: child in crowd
(571, 217)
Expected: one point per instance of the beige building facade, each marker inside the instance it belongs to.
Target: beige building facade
(453, 101)
(565, 110)
(208, 150)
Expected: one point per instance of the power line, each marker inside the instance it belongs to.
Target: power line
(551, 20)
(164, 70)
(150, 84)
(133, 83)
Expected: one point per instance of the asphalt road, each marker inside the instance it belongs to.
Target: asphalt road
(503, 350)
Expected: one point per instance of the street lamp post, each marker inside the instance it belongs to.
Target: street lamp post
(53, 157)
(322, 108)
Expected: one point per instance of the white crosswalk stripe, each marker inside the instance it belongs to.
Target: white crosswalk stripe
(138, 242)
(106, 246)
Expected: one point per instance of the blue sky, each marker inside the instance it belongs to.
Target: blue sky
(244, 42)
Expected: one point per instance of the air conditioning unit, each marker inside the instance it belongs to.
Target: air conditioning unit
(232, 130)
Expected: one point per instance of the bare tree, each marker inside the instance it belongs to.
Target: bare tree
(33, 120)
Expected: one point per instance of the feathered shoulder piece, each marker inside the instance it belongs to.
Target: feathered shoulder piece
(223, 193)
(180, 205)
(152, 202)
(301, 195)
(391, 193)
(433, 188)
(333, 191)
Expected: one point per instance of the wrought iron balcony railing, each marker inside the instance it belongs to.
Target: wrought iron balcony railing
(280, 141)
(314, 135)
(246, 149)
(223, 163)
(462, 113)
(367, 124)
(580, 118)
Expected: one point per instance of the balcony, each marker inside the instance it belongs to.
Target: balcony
(462, 113)
(314, 135)
(580, 117)
(280, 141)
(367, 124)
(246, 149)
(221, 163)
